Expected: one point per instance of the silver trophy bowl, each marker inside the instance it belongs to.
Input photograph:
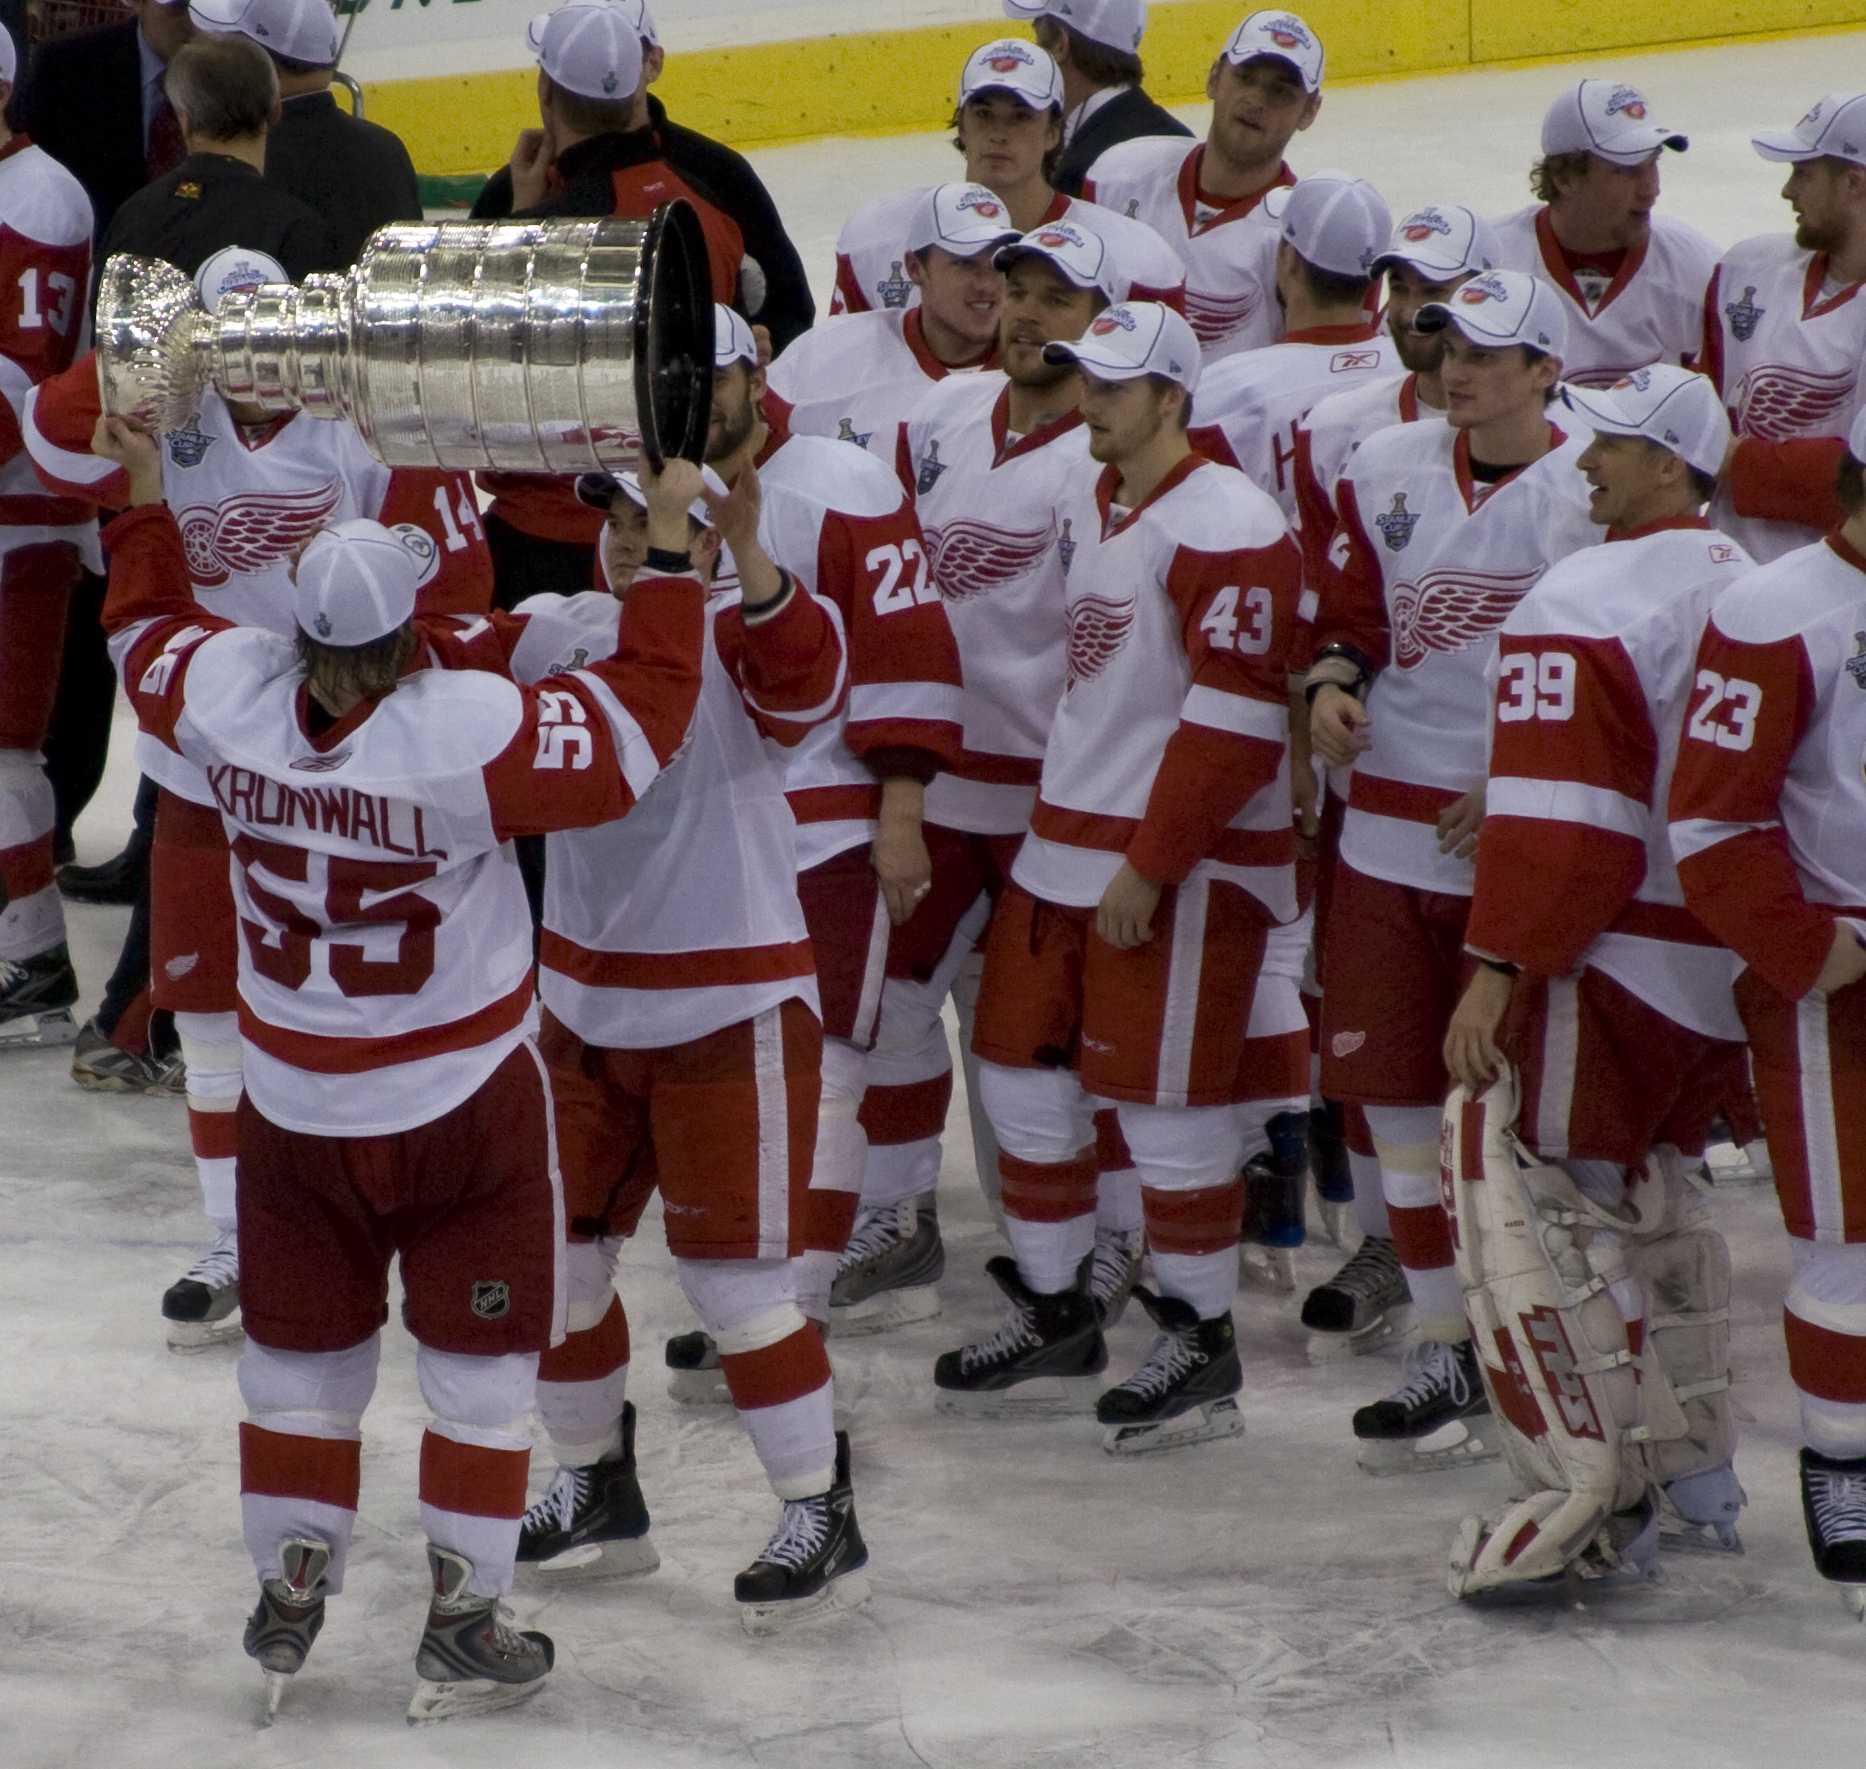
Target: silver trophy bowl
(542, 346)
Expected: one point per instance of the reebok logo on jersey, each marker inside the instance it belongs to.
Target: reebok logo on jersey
(319, 764)
(491, 1298)
(1856, 664)
(894, 288)
(188, 448)
(1397, 524)
(1743, 315)
(1346, 361)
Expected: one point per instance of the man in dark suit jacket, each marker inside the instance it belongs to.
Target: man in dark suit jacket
(1097, 50)
(95, 103)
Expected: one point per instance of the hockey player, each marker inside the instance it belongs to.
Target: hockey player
(397, 1104)
(1603, 1009)
(1134, 925)
(1785, 332)
(1768, 806)
(989, 458)
(1440, 533)
(46, 544)
(855, 380)
(248, 488)
(1332, 230)
(1632, 281)
(1007, 124)
(1204, 198)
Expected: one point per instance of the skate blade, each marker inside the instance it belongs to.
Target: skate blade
(1270, 1271)
(631, 1558)
(204, 1335)
(478, 1695)
(1206, 1424)
(1454, 1444)
(1699, 1538)
(43, 1031)
(848, 1592)
(276, 1683)
(699, 1388)
(883, 1312)
(1333, 1348)
(1852, 1600)
(1041, 1397)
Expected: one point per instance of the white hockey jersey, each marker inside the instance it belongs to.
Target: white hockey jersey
(988, 504)
(1595, 665)
(1249, 406)
(1784, 344)
(1171, 746)
(1650, 310)
(385, 942)
(1228, 250)
(871, 252)
(682, 917)
(1426, 565)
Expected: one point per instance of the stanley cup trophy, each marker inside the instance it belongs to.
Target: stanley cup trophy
(549, 346)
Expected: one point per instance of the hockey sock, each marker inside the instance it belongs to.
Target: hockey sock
(1825, 1325)
(1192, 1196)
(213, 1056)
(1406, 1142)
(1370, 1201)
(984, 1138)
(1049, 1215)
(1117, 1186)
(581, 1387)
(32, 920)
(902, 1122)
(835, 1175)
(475, 1458)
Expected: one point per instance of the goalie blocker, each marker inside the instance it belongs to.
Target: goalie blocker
(1606, 1425)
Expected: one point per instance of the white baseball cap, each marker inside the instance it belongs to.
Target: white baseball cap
(1441, 241)
(732, 338)
(589, 47)
(357, 581)
(1501, 307)
(637, 13)
(598, 489)
(9, 57)
(1078, 253)
(963, 218)
(1132, 339)
(299, 30)
(232, 271)
(1608, 118)
(1337, 222)
(1119, 24)
(1835, 127)
(1283, 35)
(1014, 66)
(1676, 408)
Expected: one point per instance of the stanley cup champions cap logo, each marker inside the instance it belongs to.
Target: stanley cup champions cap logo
(1423, 224)
(1624, 101)
(1481, 289)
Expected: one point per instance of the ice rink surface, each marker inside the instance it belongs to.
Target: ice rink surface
(1252, 1602)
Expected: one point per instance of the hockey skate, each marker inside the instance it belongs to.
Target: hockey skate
(103, 1067)
(1624, 1550)
(1363, 1306)
(471, 1660)
(36, 998)
(281, 1629)
(1184, 1393)
(1698, 1512)
(592, 1521)
(201, 1308)
(1833, 1504)
(1114, 1270)
(694, 1377)
(1274, 1227)
(1329, 1171)
(1439, 1419)
(1043, 1361)
(811, 1568)
(889, 1274)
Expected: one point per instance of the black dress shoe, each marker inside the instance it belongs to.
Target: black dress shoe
(116, 881)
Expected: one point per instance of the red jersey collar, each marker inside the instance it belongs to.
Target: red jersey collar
(1234, 210)
(1555, 261)
(1110, 480)
(1658, 527)
(1844, 548)
(1812, 306)
(255, 437)
(914, 335)
(1349, 334)
(1031, 439)
(1409, 400)
(1461, 464)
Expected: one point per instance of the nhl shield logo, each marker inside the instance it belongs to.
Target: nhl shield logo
(491, 1298)
(930, 470)
(1397, 524)
(1856, 664)
(1066, 547)
(894, 288)
(188, 448)
(847, 432)
(1743, 315)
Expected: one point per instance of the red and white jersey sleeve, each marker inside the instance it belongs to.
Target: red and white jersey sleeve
(871, 256)
(385, 944)
(1171, 746)
(1594, 667)
(1651, 311)
(1228, 250)
(1249, 407)
(1768, 805)
(1784, 343)
(683, 917)
(1425, 566)
(988, 504)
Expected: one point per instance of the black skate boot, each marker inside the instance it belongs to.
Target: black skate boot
(1184, 1392)
(1439, 1419)
(1365, 1304)
(694, 1377)
(811, 1567)
(889, 1275)
(1833, 1504)
(592, 1520)
(1329, 1169)
(36, 997)
(1114, 1270)
(1051, 1341)
(471, 1660)
(1275, 1183)
(280, 1631)
(201, 1306)
(104, 1067)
